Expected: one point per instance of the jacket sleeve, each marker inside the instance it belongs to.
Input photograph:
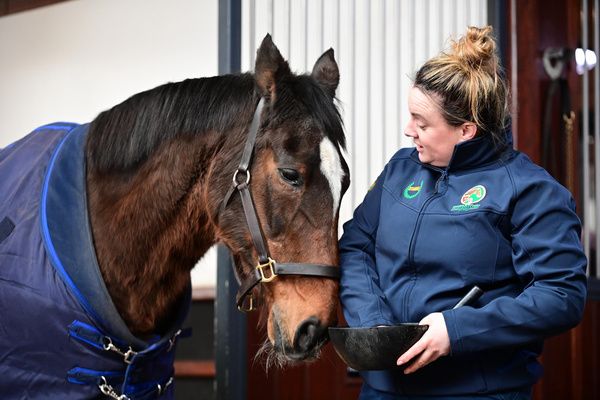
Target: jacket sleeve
(548, 259)
(363, 302)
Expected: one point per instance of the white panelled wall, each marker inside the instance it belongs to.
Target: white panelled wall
(378, 45)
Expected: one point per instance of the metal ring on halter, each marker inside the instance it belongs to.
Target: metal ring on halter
(250, 307)
(235, 181)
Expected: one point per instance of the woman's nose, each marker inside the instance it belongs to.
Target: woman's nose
(410, 131)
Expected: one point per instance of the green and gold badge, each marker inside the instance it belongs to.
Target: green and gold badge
(412, 191)
(470, 199)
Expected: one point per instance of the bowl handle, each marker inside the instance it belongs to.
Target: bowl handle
(470, 297)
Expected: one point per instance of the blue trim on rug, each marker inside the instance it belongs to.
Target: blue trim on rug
(57, 126)
(48, 239)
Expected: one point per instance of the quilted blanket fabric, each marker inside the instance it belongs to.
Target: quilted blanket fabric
(60, 334)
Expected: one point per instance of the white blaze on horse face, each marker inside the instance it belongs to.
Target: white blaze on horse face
(331, 167)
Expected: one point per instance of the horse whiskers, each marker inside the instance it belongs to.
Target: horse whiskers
(271, 358)
(267, 354)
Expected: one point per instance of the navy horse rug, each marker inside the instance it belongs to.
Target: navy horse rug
(60, 334)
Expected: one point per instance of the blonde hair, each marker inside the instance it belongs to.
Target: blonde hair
(468, 83)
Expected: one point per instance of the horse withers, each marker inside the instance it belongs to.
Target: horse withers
(100, 225)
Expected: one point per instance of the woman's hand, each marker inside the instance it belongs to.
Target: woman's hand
(434, 344)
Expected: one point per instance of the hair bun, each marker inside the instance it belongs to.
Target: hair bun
(476, 49)
(468, 83)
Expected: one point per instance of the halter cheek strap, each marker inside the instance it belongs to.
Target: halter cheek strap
(266, 269)
(246, 155)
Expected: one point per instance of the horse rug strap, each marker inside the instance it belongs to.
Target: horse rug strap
(150, 363)
(267, 269)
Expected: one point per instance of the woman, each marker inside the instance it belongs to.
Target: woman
(461, 209)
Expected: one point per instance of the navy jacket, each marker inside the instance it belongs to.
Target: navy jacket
(424, 236)
(60, 334)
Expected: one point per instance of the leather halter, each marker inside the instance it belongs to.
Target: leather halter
(266, 269)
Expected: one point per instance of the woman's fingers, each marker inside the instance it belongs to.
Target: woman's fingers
(414, 351)
(419, 362)
(434, 344)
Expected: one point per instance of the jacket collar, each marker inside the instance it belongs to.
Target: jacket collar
(475, 153)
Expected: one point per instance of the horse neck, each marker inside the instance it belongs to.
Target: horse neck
(151, 226)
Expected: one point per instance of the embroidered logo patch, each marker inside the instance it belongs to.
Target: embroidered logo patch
(412, 191)
(470, 199)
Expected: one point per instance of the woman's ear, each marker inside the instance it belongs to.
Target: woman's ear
(468, 131)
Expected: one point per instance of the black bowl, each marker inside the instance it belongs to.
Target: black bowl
(374, 348)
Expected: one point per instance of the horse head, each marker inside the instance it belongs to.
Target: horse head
(296, 178)
(159, 180)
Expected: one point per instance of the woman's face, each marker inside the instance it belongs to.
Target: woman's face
(433, 137)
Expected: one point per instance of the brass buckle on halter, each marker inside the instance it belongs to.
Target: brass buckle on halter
(250, 304)
(271, 272)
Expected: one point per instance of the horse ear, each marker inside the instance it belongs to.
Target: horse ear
(326, 72)
(270, 66)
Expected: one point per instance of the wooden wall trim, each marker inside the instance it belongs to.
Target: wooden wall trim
(195, 369)
(203, 293)
(14, 6)
(529, 69)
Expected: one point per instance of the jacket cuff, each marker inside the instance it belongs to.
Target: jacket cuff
(456, 346)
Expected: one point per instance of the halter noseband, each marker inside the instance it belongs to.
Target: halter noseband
(267, 269)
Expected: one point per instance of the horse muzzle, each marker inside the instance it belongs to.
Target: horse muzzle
(309, 337)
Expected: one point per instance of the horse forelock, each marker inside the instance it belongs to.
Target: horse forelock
(303, 94)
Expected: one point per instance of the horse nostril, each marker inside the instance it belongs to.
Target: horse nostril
(308, 335)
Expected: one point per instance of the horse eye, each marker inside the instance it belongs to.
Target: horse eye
(291, 176)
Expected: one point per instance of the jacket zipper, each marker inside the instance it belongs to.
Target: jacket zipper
(411, 247)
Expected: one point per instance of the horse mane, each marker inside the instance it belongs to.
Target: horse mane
(124, 136)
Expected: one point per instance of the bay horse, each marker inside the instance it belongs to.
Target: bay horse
(130, 202)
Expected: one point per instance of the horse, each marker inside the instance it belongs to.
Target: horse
(122, 209)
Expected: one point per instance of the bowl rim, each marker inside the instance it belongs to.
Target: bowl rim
(357, 328)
